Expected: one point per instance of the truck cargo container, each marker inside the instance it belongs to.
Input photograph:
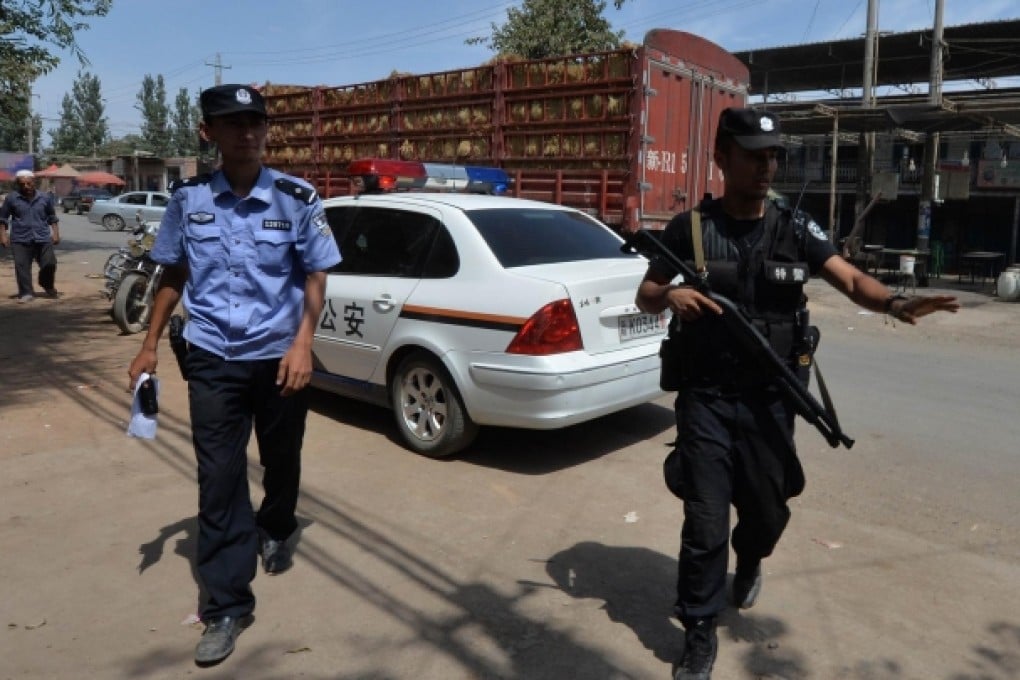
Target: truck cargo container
(625, 135)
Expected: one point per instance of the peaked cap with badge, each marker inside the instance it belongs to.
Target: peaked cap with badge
(750, 128)
(223, 100)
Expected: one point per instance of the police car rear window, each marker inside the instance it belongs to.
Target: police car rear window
(521, 237)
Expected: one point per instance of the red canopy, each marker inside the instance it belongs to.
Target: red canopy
(64, 170)
(100, 178)
(48, 171)
(5, 176)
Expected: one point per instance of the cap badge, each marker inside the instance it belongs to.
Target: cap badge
(766, 124)
(244, 97)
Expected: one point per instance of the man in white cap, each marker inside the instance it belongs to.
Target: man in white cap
(33, 231)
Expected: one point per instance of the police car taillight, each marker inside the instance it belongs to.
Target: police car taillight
(381, 174)
(551, 330)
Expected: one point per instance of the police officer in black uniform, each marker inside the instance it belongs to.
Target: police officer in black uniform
(734, 431)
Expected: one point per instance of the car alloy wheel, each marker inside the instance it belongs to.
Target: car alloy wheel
(113, 222)
(429, 411)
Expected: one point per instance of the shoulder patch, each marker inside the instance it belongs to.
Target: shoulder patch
(321, 223)
(816, 230)
(189, 182)
(303, 194)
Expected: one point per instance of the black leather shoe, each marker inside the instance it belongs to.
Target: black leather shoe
(700, 648)
(746, 586)
(276, 556)
(218, 639)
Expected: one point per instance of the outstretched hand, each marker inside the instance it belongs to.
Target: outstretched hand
(913, 308)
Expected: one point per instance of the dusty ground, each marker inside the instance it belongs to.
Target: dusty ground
(545, 556)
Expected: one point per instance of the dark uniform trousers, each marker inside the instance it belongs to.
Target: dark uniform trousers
(732, 448)
(27, 253)
(226, 398)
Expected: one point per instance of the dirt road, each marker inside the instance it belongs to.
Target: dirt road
(539, 556)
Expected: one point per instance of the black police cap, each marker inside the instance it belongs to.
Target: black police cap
(750, 129)
(226, 99)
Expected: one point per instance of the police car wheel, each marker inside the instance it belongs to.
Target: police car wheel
(429, 411)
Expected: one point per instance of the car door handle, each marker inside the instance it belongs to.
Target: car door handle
(384, 303)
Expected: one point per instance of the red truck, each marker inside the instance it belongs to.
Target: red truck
(625, 135)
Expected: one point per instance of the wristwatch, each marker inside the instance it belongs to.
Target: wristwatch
(889, 301)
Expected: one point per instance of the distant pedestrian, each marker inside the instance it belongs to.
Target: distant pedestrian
(33, 231)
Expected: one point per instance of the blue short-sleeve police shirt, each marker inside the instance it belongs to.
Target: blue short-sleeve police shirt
(247, 258)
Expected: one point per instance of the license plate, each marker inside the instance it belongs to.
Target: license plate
(634, 326)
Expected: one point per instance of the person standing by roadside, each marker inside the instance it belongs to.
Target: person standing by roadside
(247, 249)
(735, 430)
(30, 226)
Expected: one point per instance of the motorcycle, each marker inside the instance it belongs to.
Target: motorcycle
(132, 278)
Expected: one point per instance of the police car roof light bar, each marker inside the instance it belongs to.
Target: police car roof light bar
(383, 174)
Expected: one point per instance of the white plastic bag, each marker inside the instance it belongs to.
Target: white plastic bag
(141, 425)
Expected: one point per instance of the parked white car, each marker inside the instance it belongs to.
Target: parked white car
(460, 310)
(120, 211)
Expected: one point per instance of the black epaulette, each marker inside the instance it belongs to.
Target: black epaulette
(303, 194)
(190, 182)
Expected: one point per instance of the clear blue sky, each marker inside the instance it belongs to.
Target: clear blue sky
(336, 42)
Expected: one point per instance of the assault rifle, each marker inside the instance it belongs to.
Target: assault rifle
(751, 342)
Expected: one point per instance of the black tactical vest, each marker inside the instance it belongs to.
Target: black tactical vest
(765, 279)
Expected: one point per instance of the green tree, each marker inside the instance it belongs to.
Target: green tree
(65, 135)
(550, 28)
(29, 30)
(122, 146)
(83, 127)
(14, 114)
(155, 116)
(88, 103)
(185, 119)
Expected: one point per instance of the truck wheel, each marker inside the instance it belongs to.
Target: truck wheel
(63, 204)
(130, 308)
(429, 411)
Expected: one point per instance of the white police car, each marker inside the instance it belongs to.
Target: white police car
(457, 310)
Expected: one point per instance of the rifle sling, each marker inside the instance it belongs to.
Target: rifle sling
(697, 242)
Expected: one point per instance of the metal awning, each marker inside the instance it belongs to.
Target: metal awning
(978, 52)
(967, 114)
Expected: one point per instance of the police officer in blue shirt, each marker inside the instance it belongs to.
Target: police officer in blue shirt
(246, 249)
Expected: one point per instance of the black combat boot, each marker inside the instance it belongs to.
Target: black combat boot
(700, 647)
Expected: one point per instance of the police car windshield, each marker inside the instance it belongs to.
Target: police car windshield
(522, 237)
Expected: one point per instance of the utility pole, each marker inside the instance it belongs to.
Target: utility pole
(931, 140)
(866, 140)
(218, 66)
